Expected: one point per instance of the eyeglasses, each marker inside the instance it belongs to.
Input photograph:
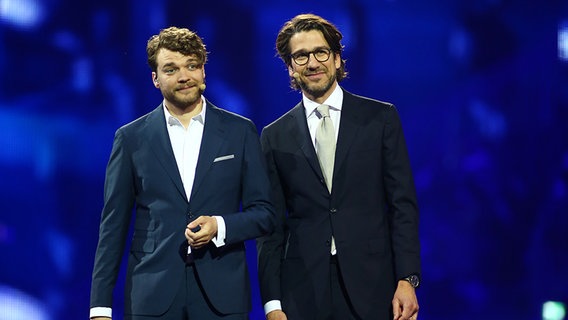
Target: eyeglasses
(321, 55)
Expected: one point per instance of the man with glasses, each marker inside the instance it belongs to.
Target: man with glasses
(347, 244)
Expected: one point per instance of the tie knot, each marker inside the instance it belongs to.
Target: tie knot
(323, 109)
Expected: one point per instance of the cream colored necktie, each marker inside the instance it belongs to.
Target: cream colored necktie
(325, 148)
(325, 145)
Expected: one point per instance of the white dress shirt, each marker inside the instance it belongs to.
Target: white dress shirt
(186, 143)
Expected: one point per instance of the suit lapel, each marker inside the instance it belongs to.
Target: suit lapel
(299, 130)
(348, 128)
(160, 144)
(212, 141)
(347, 132)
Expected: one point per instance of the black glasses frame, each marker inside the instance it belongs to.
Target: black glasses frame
(320, 54)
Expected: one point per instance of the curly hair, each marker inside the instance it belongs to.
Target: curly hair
(175, 39)
(307, 22)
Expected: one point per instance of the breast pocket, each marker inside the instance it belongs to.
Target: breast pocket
(225, 168)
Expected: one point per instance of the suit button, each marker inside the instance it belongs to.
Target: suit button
(333, 210)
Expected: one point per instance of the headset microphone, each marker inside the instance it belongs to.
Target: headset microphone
(296, 75)
(202, 86)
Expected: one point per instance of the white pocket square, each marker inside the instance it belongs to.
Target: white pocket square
(227, 157)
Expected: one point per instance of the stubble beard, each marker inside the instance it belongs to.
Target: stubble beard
(184, 101)
(317, 90)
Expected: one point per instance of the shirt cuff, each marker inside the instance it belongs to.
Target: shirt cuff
(219, 239)
(271, 306)
(100, 312)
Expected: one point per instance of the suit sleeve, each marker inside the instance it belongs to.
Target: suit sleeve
(259, 213)
(401, 197)
(114, 224)
(270, 246)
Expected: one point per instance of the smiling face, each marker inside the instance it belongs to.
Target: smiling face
(316, 79)
(179, 78)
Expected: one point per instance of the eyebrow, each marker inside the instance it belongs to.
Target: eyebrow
(314, 49)
(188, 61)
(169, 64)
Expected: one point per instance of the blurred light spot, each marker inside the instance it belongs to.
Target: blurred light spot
(67, 41)
(563, 41)
(553, 310)
(21, 13)
(60, 249)
(82, 74)
(460, 45)
(17, 305)
(491, 123)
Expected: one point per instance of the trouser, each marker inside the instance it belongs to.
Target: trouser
(191, 303)
(337, 305)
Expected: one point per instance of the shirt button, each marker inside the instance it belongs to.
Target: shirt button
(333, 210)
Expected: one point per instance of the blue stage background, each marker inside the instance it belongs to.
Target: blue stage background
(481, 86)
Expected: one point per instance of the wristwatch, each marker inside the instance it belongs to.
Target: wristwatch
(413, 279)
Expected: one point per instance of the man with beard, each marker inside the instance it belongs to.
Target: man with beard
(347, 245)
(196, 177)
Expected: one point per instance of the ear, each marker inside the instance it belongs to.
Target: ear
(155, 80)
(337, 60)
(290, 71)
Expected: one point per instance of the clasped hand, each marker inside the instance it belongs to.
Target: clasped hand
(200, 231)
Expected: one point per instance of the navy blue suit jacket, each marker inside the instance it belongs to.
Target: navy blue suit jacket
(371, 212)
(142, 174)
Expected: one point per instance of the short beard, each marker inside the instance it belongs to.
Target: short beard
(184, 104)
(317, 93)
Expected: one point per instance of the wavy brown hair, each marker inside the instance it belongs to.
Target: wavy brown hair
(175, 39)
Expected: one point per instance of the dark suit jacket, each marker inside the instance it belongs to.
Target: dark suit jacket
(142, 173)
(371, 212)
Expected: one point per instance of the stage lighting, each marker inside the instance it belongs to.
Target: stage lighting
(553, 310)
(563, 41)
(25, 14)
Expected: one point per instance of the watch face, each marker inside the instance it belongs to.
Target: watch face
(414, 280)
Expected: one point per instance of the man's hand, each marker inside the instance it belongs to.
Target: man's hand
(100, 318)
(207, 230)
(405, 303)
(276, 315)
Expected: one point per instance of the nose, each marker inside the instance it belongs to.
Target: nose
(183, 75)
(312, 61)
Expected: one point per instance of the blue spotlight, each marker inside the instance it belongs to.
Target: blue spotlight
(563, 41)
(25, 14)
